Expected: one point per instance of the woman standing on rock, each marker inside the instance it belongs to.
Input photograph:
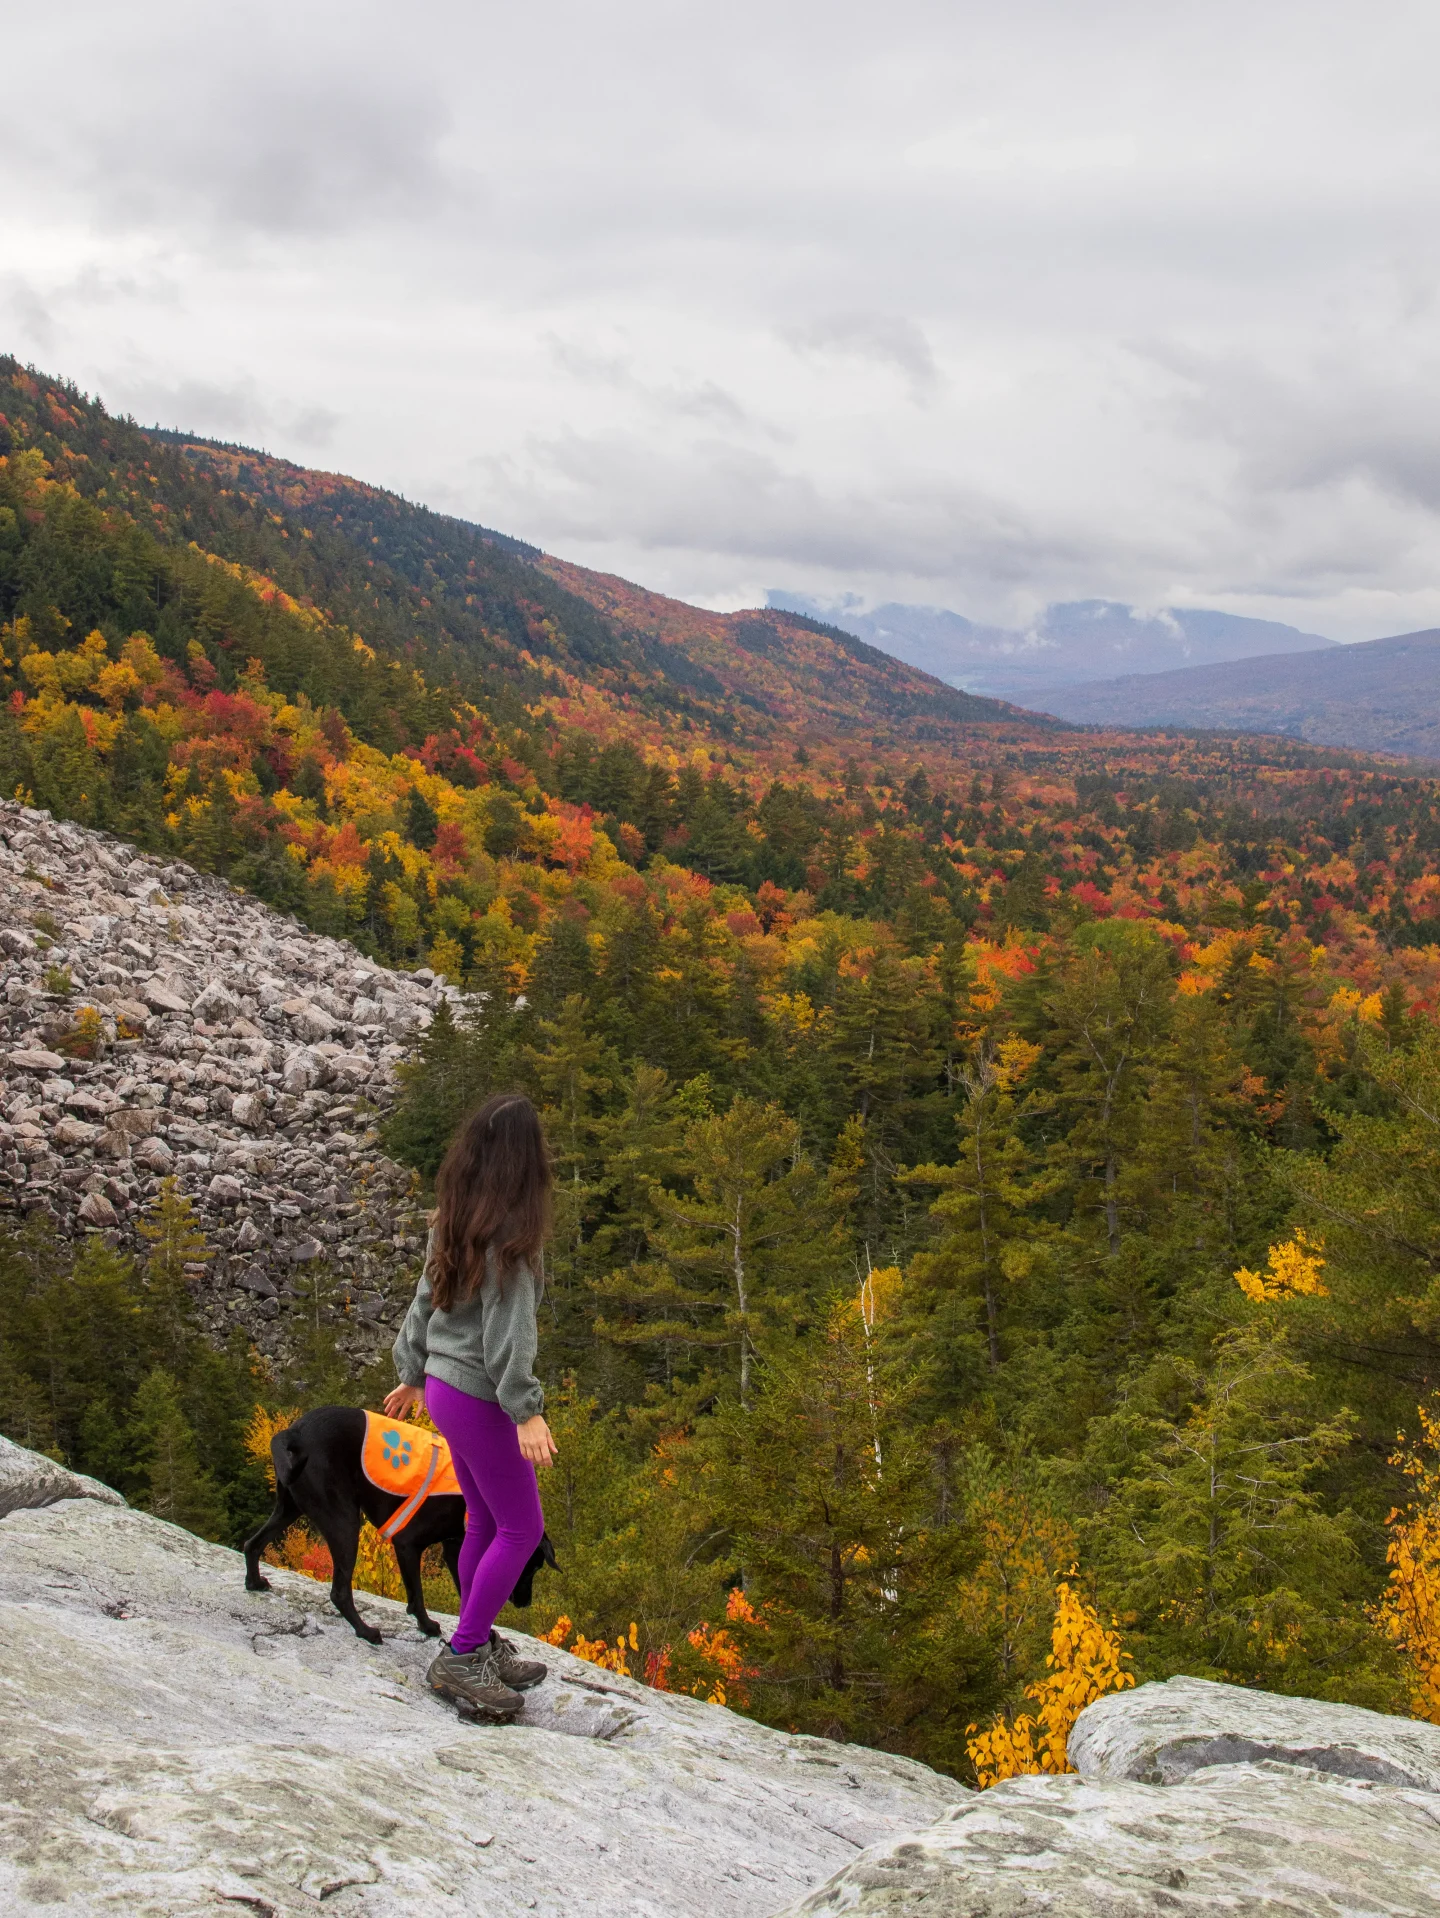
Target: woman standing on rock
(467, 1348)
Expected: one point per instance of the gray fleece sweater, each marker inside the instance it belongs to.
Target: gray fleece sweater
(485, 1346)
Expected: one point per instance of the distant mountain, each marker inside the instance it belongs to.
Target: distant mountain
(1382, 695)
(1070, 644)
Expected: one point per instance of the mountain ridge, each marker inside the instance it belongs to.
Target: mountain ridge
(1379, 695)
(477, 607)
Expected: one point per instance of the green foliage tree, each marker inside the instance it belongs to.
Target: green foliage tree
(176, 1242)
(735, 1259)
(458, 1064)
(985, 1209)
(1214, 1543)
(175, 1485)
(829, 1496)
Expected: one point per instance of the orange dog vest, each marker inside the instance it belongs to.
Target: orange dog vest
(409, 1462)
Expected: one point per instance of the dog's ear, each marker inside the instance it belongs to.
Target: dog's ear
(547, 1552)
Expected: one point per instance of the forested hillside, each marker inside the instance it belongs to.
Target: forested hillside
(920, 1080)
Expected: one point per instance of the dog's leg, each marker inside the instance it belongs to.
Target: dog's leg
(450, 1546)
(343, 1538)
(271, 1532)
(408, 1557)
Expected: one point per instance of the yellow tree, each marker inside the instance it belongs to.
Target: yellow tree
(1085, 1663)
(1023, 1550)
(1409, 1609)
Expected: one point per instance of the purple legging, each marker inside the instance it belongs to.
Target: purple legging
(503, 1519)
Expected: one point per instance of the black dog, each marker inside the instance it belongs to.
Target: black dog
(318, 1476)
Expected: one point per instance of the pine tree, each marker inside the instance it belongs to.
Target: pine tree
(174, 1485)
(733, 1260)
(1213, 1538)
(828, 1495)
(176, 1241)
(984, 1209)
(1375, 1202)
(569, 1071)
(446, 1078)
(888, 1065)
(422, 822)
(1111, 1013)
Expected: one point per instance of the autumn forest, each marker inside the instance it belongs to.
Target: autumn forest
(997, 1162)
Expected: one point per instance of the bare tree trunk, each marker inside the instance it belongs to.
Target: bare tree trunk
(737, 1247)
(992, 1328)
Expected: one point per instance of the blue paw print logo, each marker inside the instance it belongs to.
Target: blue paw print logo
(396, 1448)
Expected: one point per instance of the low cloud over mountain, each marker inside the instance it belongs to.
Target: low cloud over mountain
(1070, 644)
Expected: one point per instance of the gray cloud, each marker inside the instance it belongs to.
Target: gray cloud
(714, 493)
(888, 339)
(984, 306)
(28, 311)
(237, 410)
(1366, 413)
(702, 399)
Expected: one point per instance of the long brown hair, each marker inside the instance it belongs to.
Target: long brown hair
(492, 1191)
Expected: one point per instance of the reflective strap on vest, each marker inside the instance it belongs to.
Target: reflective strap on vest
(412, 1505)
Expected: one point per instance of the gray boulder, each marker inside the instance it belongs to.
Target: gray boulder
(1193, 1799)
(161, 996)
(215, 1003)
(1160, 1734)
(36, 1059)
(155, 1156)
(1232, 1841)
(30, 1479)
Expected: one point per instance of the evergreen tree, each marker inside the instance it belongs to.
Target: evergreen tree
(175, 1487)
(828, 1495)
(176, 1241)
(1111, 1014)
(985, 1211)
(446, 1078)
(1213, 1539)
(422, 822)
(883, 1046)
(735, 1259)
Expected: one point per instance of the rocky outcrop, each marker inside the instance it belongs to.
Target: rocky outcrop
(28, 1479)
(1194, 1799)
(175, 1745)
(155, 1022)
(1160, 1734)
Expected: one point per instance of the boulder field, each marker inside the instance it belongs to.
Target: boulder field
(175, 1745)
(155, 1022)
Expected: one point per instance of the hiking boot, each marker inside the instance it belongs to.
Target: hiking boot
(473, 1681)
(520, 1674)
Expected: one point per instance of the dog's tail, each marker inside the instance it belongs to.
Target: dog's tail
(287, 1450)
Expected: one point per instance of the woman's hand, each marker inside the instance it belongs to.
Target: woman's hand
(536, 1444)
(403, 1399)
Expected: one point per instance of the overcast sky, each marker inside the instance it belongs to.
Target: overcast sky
(979, 306)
